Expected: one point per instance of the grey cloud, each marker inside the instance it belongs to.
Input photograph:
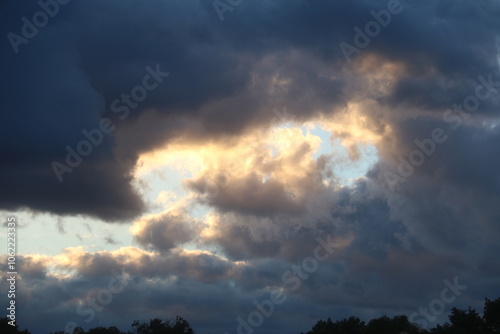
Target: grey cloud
(60, 226)
(110, 240)
(166, 231)
(250, 195)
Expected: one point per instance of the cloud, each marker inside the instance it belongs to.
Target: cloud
(166, 230)
(110, 240)
(60, 226)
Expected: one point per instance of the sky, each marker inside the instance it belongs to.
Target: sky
(251, 166)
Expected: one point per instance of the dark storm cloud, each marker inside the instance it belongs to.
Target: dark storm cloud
(72, 74)
(66, 77)
(47, 103)
(396, 244)
(451, 199)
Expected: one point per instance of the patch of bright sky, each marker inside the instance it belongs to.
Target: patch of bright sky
(48, 234)
(159, 180)
(345, 170)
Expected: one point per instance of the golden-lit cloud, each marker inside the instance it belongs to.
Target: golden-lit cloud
(274, 164)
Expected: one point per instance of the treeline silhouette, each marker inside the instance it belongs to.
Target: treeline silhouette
(154, 326)
(460, 322)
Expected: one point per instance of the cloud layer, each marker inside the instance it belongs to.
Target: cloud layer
(236, 117)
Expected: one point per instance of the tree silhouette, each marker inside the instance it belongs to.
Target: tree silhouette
(461, 322)
(491, 315)
(351, 325)
(103, 330)
(323, 327)
(158, 326)
(446, 329)
(5, 328)
(397, 324)
(468, 321)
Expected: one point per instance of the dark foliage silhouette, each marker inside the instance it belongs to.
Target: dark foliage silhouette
(5, 328)
(491, 315)
(460, 322)
(158, 326)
